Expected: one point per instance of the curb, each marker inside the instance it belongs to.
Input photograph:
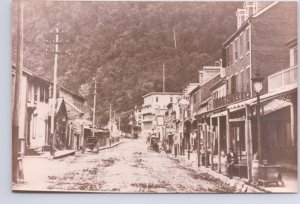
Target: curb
(241, 186)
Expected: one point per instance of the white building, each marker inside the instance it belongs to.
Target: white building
(153, 110)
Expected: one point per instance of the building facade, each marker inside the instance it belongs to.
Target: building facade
(36, 111)
(153, 111)
(250, 49)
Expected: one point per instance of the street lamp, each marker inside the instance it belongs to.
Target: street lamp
(183, 104)
(257, 86)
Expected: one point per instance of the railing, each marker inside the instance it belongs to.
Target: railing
(232, 98)
(282, 78)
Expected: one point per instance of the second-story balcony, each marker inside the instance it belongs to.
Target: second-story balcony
(282, 78)
(229, 99)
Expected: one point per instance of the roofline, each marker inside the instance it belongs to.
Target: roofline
(247, 22)
(195, 89)
(203, 83)
(218, 84)
(292, 42)
(236, 33)
(31, 73)
(163, 93)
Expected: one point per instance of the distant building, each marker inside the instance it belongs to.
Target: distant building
(153, 110)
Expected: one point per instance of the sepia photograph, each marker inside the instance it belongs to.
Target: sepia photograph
(154, 96)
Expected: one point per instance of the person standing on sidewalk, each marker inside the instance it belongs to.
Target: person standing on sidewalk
(232, 159)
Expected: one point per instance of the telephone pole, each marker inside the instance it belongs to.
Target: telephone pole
(94, 109)
(119, 123)
(110, 125)
(163, 77)
(17, 173)
(56, 51)
(174, 36)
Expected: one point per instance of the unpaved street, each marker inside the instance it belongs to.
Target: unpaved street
(129, 167)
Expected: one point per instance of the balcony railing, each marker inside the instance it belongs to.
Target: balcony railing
(232, 98)
(282, 78)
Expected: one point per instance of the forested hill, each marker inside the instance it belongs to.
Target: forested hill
(130, 41)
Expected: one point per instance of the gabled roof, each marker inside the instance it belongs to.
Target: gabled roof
(33, 74)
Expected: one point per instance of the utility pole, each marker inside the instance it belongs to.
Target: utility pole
(163, 77)
(94, 109)
(56, 51)
(110, 127)
(174, 35)
(17, 173)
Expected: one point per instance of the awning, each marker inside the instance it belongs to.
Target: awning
(72, 111)
(274, 105)
(274, 94)
(263, 98)
(240, 105)
(59, 102)
(223, 113)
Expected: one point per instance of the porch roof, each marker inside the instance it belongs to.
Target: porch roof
(263, 98)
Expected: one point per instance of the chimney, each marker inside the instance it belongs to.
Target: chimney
(218, 63)
(224, 57)
(201, 76)
(241, 17)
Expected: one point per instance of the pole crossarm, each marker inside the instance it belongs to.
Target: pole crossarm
(54, 52)
(124, 114)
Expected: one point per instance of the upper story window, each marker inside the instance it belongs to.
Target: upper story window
(242, 47)
(42, 94)
(247, 78)
(195, 98)
(29, 93)
(35, 92)
(156, 99)
(215, 95)
(171, 99)
(228, 85)
(236, 50)
(233, 84)
(247, 40)
(231, 56)
(46, 95)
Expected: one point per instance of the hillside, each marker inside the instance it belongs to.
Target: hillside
(130, 42)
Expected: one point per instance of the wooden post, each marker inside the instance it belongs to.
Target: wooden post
(248, 145)
(292, 123)
(53, 126)
(259, 129)
(212, 137)
(205, 140)
(198, 145)
(227, 132)
(183, 138)
(163, 77)
(219, 144)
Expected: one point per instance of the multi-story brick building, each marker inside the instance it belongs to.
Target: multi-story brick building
(223, 103)
(256, 46)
